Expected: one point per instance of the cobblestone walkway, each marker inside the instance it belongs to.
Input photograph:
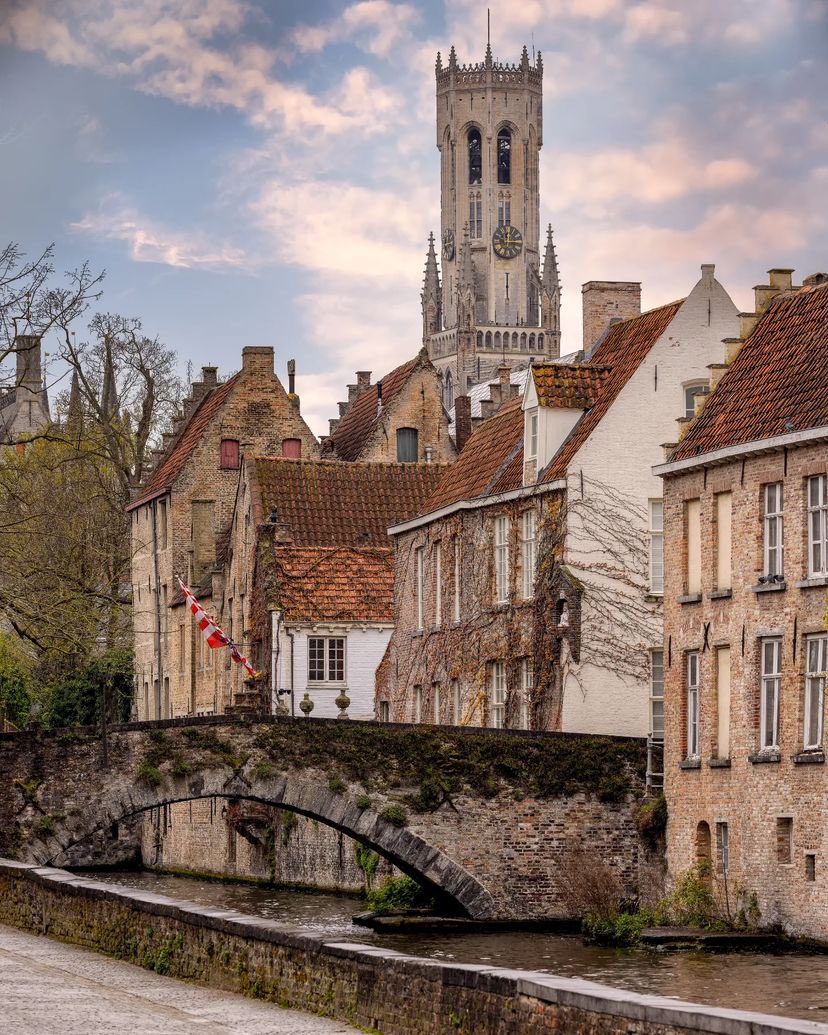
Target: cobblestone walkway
(48, 988)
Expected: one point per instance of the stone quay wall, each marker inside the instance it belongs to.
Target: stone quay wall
(376, 988)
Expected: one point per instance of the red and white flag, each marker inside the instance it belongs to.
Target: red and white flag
(211, 632)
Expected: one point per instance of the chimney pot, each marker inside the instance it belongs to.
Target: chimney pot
(504, 375)
(209, 375)
(291, 369)
(781, 279)
(603, 301)
(258, 360)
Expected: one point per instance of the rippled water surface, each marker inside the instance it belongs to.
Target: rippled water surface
(792, 984)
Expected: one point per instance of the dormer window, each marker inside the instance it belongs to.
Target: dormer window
(532, 434)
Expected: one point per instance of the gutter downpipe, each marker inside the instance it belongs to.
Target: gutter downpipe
(290, 635)
(159, 683)
(275, 634)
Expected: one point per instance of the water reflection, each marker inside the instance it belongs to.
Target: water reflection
(792, 984)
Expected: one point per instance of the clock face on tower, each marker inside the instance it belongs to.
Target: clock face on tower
(448, 244)
(507, 241)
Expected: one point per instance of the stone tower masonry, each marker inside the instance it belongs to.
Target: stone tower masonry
(489, 133)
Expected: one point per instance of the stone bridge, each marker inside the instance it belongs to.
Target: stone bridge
(483, 817)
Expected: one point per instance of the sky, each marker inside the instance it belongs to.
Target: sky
(264, 172)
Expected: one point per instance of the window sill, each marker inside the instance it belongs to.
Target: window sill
(719, 763)
(809, 757)
(690, 598)
(417, 632)
(769, 587)
(653, 598)
(690, 763)
(814, 582)
(720, 594)
(763, 757)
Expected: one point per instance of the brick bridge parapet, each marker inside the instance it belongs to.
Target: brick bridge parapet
(482, 816)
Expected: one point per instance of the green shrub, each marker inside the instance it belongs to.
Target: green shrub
(336, 784)
(367, 860)
(651, 820)
(395, 893)
(150, 774)
(395, 815)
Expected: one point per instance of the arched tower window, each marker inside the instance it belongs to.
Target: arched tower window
(475, 157)
(448, 391)
(504, 156)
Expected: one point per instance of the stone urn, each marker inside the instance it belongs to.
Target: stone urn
(306, 705)
(342, 703)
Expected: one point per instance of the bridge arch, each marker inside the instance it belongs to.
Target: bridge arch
(407, 850)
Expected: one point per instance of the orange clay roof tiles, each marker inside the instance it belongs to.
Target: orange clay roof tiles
(354, 430)
(777, 384)
(170, 467)
(329, 503)
(481, 468)
(334, 584)
(575, 385)
(623, 348)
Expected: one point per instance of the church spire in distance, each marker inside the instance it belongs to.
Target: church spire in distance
(550, 264)
(431, 295)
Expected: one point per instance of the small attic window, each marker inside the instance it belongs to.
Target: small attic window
(229, 457)
(690, 393)
(407, 445)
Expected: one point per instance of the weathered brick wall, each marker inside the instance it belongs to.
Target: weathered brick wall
(241, 839)
(436, 655)
(377, 989)
(743, 791)
(481, 816)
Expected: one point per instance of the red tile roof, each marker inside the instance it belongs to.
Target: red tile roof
(777, 384)
(623, 349)
(572, 385)
(330, 503)
(353, 431)
(162, 478)
(488, 460)
(333, 584)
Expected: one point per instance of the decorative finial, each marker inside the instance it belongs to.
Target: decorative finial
(452, 58)
(524, 58)
(539, 62)
(438, 64)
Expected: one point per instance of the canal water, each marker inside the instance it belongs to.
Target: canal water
(791, 984)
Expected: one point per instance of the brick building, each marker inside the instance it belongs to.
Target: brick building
(400, 418)
(186, 501)
(746, 647)
(528, 592)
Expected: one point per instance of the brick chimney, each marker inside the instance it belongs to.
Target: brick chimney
(209, 375)
(462, 420)
(363, 379)
(258, 360)
(604, 303)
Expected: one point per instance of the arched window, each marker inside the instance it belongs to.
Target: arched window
(523, 341)
(540, 341)
(448, 391)
(475, 157)
(497, 340)
(480, 339)
(488, 339)
(531, 342)
(514, 339)
(407, 445)
(504, 156)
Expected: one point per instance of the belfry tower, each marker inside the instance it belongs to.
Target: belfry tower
(492, 303)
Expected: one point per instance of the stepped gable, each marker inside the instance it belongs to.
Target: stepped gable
(622, 349)
(334, 584)
(491, 461)
(776, 385)
(570, 385)
(165, 474)
(329, 503)
(353, 431)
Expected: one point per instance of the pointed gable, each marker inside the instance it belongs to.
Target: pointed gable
(355, 429)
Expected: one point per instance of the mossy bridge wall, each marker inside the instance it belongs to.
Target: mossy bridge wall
(482, 816)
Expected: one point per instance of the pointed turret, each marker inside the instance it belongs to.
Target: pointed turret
(551, 295)
(74, 417)
(431, 296)
(109, 391)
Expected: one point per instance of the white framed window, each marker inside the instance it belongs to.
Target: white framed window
(326, 659)
(723, 848)
(501, 558)
(692, 522)
(693, 704)
(818, 525)
(457, 579)
(529, 551)
(532, 433)
(774, 537)
(384, 711)
(418, 703)
(497, 694)
(690, 393)
(419, 561)
(771, 685)
(438, 584)
(435, 700)
(816, 649)
(656, 531)
(657, 695)
(456, 704)
(527, 684)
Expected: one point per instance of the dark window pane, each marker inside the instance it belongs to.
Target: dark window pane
(407, 445)
(504, 156)
(475, 157)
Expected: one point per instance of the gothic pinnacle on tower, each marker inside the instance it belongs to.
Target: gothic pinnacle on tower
(74, 416)
(550, 280)
(551, 295)
(431, 295)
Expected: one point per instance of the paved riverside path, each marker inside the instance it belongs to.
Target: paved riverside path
(48, 988)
